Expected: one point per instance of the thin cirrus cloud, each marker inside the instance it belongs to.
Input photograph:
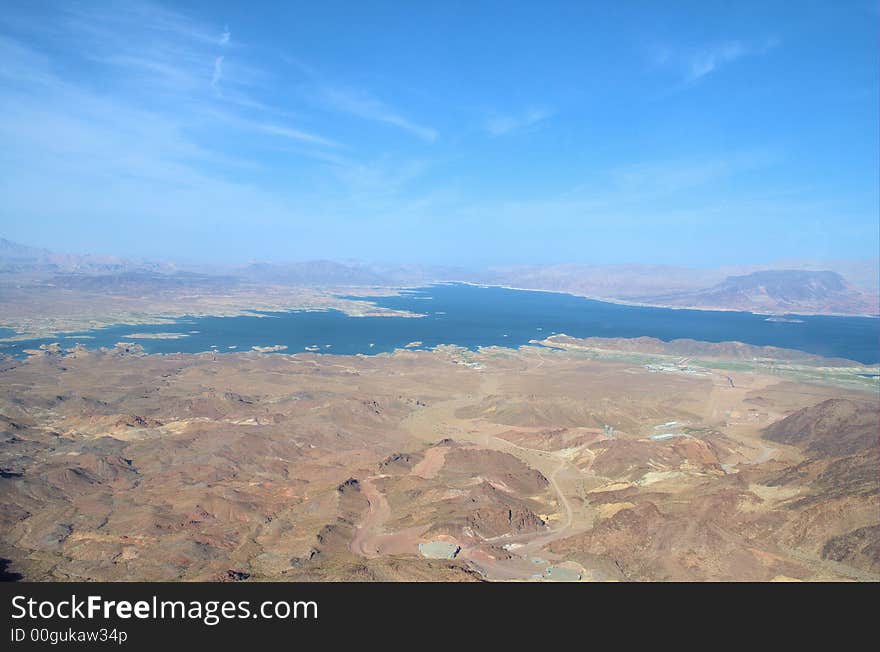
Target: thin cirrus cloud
(707, 61)
(182, 126)
(362, 105)
(218, 71)
(149, 112)
(499, 125)
(186, 72)
(693, 64)
(295, 134)
(184, 68)
(218, 61)
(163, 75)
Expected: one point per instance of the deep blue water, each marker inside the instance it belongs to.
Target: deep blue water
(473, 316)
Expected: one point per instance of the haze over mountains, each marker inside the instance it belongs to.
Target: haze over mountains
(24, 259)
(778, 290)
(807, 287)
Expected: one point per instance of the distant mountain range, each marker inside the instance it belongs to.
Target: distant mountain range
(19, 258)
(808, 289)
(777, 291)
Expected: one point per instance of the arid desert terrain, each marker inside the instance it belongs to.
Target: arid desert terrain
(590, 460)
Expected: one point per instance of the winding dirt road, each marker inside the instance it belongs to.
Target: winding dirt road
(368, 534)
(433, 423)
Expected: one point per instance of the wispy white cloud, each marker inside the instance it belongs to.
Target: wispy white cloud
(218, 71)
(294, 134)
(695, 63)
(170, 61)
(186, 128)
(706, 61)
(364, 106)
(498, 125)
(114, 130)
(124, 19)
(171, 55)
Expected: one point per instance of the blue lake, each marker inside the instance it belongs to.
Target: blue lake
(472, 316)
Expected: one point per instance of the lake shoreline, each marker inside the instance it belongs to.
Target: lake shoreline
(474, 316)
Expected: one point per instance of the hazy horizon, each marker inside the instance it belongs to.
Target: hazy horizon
(442, 134)
(833, 264)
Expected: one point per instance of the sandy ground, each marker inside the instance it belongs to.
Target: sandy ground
(186, 467)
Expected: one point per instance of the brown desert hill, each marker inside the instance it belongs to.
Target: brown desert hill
(532, 412)
(497, 467)
(475, 492)
(547, 411)
(860, 547)
(487, 511)
(839, 508)
(250, 467)
(836, 514)
(647, 542)
(776, 291)
(628, 459)
(551, 439)
(834, 427)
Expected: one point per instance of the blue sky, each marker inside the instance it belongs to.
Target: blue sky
(690, 133)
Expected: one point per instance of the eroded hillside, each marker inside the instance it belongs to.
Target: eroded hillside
(504, 464)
